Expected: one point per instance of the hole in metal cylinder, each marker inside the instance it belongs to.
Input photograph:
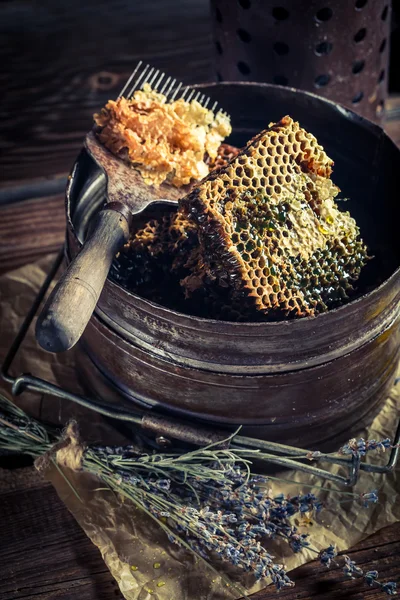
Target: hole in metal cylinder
(382, 46)
(218, 47)
(281, 48)
(358, 66)
(244, 3)
(324, 14)
(244, 35)
(323, 48)
(243, 68)
(358, 97)
(359, 4)
(381, 76)
(360, 35)
(385, 13)
(322, 80)
(280, 80)
(218, 15)
(279, 13)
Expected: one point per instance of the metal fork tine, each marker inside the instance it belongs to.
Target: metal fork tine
(162, 75)
(140, 80)
(153, 78)
(130, 78)
(165, 85)
(175, 92)
(146, 79)
(171, 87)
(185, 91)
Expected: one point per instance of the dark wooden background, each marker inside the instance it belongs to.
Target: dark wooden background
(59, 62)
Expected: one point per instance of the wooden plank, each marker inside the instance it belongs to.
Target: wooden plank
(53, 559)
(30, 229)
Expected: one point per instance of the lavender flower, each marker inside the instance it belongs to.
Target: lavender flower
(314, 454)
(390, 588)
(350, 568)
(361, 447)
(369, 498)
(309, 502)
(279, 578)
(163, 484)
(371, 577)
(298, 541)
(327, 556)
(376, 445)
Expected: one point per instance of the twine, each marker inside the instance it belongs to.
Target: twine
(68, 452)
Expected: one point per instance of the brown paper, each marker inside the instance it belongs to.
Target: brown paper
(137, 552)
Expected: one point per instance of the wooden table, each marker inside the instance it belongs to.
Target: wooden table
(47, 108)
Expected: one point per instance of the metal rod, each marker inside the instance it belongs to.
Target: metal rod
(28, 320)
(294, 464)
(138, 80)
(36, 384)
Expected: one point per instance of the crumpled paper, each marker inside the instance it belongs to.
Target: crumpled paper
(137, 552)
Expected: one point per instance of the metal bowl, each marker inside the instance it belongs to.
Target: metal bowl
(302, 381)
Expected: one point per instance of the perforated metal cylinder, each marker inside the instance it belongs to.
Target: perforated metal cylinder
(337, 49)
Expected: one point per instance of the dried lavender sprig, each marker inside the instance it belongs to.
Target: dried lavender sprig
(350, 569)
(354, 447)
(20, 433)
(208, 530)
(238, 515)
(370, 577)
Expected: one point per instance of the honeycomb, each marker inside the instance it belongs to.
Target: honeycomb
(270, 232)
(224, 155)
(165, 141)
(163, 252)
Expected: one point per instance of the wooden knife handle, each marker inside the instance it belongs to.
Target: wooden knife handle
(73, 300)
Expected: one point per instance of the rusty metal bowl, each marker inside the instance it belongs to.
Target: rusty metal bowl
(308, 382)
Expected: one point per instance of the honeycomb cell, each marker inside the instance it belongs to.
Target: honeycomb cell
(239, 171)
